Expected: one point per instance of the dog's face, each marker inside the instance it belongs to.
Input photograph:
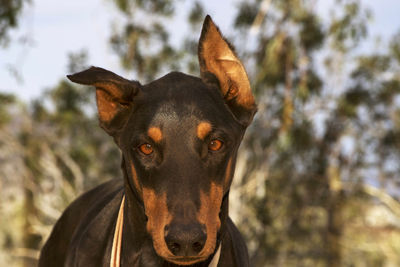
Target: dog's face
(179, 136)
(179, 148)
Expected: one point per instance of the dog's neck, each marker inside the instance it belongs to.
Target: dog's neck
(134, 229)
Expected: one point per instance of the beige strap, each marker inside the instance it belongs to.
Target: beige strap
(117, 240)
(215, 260)
(116, 247)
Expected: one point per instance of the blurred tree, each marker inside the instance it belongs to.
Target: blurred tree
(10, 10)
(50, 152)
(144, 44)
(308, 171)
(5, 101)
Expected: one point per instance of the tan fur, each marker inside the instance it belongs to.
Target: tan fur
(220, 60)
(208, 215)
(110, 99)
(203, 129)
(111, 87)
(228, 175)
(135, 178)
(155, 134)
(107, 108)
(158, 216)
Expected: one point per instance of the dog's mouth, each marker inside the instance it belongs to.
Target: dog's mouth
(184, 243)
(189, 260)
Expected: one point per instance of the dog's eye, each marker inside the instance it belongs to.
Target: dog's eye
(215, 145)
(146, 149)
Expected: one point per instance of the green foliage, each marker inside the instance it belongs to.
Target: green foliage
(144, 45)
(162, 7)
(49, 154)
(350, 27)
(5, 101)
(247, 12)
(299, 216)
(133, 44)
(196, 15)
(10, 10)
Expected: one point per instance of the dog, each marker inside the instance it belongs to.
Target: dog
(179, 136)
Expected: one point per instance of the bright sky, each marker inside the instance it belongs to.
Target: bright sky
(57, 28)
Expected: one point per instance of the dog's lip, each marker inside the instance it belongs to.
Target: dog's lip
(187, 260)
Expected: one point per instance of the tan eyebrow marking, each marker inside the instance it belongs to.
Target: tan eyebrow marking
(203, 129)
(155, 134)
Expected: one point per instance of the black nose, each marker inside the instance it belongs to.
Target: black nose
(185, 239)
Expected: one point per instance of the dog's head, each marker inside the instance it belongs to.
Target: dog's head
(179, 136)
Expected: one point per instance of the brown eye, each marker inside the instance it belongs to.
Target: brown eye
(215, 145)
(146, 149)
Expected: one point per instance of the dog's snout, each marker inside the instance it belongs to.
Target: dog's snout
(185, 239)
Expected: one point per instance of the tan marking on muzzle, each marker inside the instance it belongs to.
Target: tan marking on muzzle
(135, 178)
(203, 129)
(155, 134)
(228, 174)
(209, 216)
(158, 217)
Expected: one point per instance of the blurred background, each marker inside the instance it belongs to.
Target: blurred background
(318, 175)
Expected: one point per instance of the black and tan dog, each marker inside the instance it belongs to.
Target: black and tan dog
(179, 136)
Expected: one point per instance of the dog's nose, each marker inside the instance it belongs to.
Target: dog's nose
(185, 239)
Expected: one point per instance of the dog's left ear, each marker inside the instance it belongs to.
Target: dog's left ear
(114, 96)
(218, 60)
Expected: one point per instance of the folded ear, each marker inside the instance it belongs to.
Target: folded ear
(114, 96)
(218, 59)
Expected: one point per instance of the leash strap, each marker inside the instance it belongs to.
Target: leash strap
(117, 240)
(216, 257)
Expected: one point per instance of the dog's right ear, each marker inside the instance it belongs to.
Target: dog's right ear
(114, 96)
(218, 58)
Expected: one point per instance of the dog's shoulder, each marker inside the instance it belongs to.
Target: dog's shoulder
(92, 202)
(81, 218)
(234, 250)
